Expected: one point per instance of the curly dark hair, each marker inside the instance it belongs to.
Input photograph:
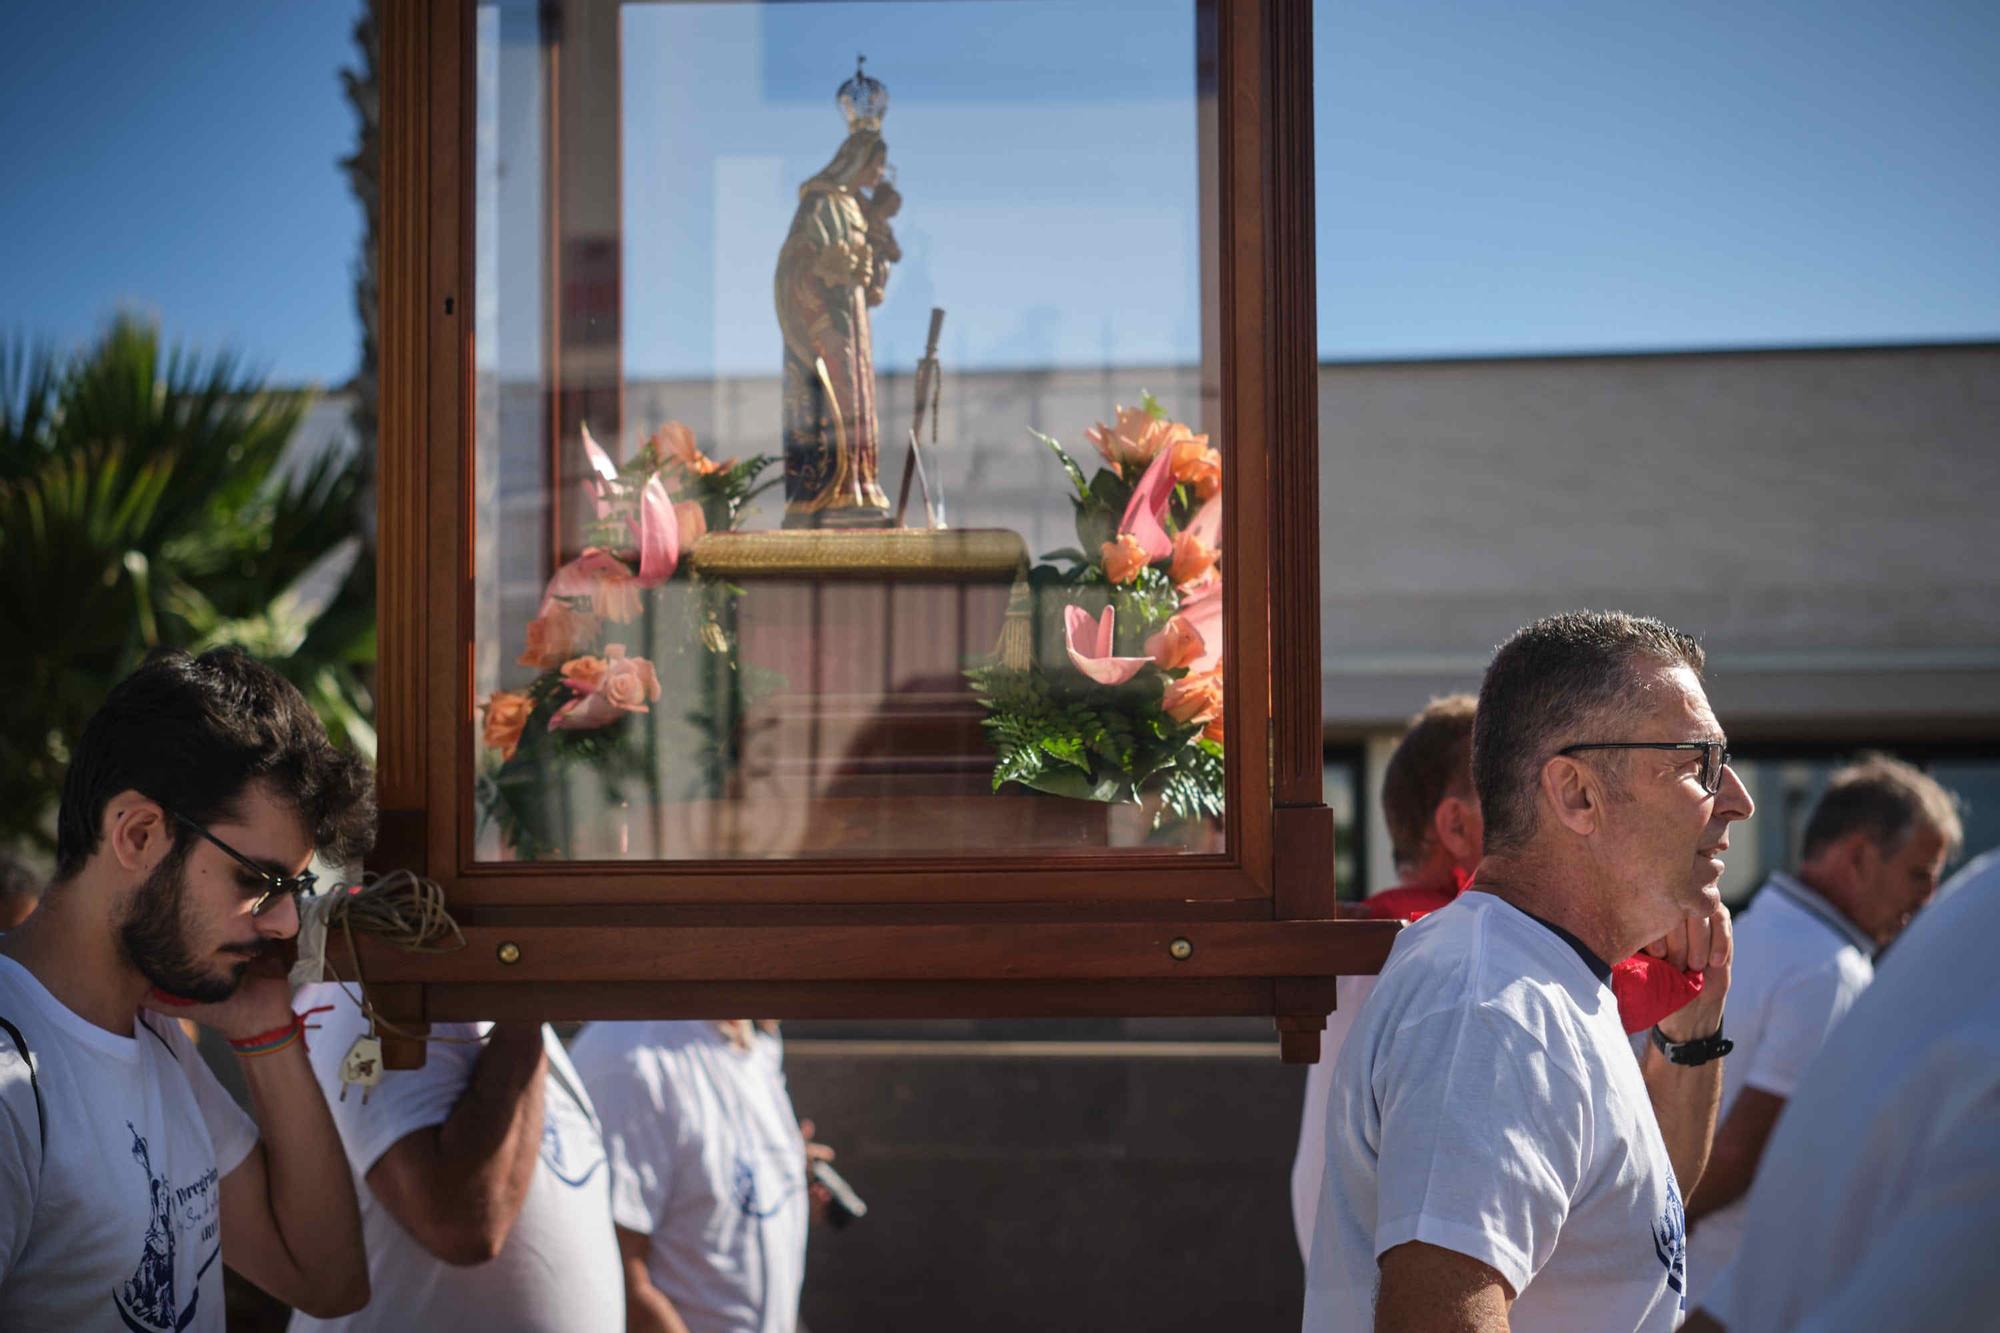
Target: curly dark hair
(193, 732)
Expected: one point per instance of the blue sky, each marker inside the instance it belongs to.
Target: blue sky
(1494, 178)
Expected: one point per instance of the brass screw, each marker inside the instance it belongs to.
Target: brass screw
(509, 952)
(1181, 949)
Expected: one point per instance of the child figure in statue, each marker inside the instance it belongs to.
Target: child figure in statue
(833, 267)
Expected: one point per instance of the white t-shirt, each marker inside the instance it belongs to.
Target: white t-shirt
(115, 1220)
(1309, 1162)
(559, 1268)
(1878, 1198)
(707, 1159)
(1799, 967)
(1486, 1101)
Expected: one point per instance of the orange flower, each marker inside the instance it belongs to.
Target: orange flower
(1193, 558)
(1213, 731)
(1193, 462)
(1124, 558)
(583, 673)
(555, 634)
(693, 521)
(1134, 441)
(506, 714)
(674, 443)
(1178, 644)
(1196, 698)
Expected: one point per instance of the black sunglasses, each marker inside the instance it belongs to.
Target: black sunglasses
(296, 886)
(1714, 755)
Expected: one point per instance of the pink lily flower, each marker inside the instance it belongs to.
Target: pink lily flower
(606, 472)
(1207, 521)
(1146, 512)
(1090, 646)
(659, 534)
(1203, 614)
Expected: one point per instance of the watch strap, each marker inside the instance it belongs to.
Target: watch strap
(1698, 1051)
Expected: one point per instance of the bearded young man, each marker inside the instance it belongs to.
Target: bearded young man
(1495, 1154)
(194, 803)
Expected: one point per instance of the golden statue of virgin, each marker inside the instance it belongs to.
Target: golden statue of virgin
(833, 267)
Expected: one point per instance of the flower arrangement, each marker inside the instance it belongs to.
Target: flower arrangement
(1132, 705)
(591, 680)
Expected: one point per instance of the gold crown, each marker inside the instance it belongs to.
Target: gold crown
(864, 101)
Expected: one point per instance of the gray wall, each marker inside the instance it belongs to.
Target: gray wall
(1823, 519)
(1110, 1187)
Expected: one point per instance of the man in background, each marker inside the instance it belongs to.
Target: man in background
(709, 1170)
(1874, 847)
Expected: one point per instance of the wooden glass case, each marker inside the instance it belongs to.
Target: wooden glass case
(849, 511)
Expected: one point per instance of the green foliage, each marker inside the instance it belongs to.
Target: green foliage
(144, 503)
(1064, 734)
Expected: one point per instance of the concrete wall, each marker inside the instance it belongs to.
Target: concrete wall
(1078, 1190)
(1823, 519)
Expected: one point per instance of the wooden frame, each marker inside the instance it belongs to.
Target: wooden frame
(1055, 935)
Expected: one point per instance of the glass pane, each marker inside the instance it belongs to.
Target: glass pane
(846, 481)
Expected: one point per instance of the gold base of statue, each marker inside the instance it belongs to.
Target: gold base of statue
(949, 554)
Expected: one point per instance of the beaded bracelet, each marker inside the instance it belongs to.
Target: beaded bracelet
(264, 1043)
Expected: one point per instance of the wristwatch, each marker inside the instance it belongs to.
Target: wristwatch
(1698, 1051)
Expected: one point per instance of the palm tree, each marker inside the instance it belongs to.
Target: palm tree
(143, 505)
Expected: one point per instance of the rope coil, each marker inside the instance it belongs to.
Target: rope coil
(400, 907)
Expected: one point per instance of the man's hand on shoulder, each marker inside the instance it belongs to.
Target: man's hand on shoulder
(1428, 1289)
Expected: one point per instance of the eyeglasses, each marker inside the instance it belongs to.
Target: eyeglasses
(295, 886)
(1714, 755)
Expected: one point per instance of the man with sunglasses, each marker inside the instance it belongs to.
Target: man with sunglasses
(1495, 1155)
(193, 803)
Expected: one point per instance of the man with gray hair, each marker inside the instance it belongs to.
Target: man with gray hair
(1494, 1152)
(1874, 847)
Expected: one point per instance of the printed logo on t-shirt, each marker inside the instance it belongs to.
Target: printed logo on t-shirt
(556, 1156)
(1670, 1241)
(147, 1301)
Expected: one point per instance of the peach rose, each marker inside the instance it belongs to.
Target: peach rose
(1124, 558)
(1133, 441)
(1193, 559)
(674, 443)
(629, 683)
(1213, 731)
(1196, 698)
(583, 674)
(693, 521)
(1178, 644)
(555, 634)
(506, 714)
(1194, 463)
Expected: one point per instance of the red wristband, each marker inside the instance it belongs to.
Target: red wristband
(277, 1038)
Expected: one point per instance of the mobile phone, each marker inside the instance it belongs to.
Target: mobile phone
(845, 1206)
